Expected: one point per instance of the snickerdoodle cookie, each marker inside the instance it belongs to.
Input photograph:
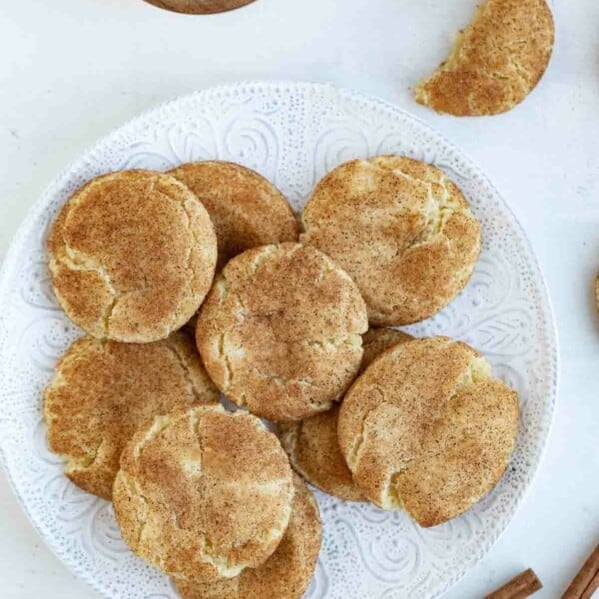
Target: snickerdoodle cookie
(280, 331)
(496, 61)
(103, 391)
(426, 428)
(203, 493)
(132, 256)
(245, 208)
(376, 341)
(287, 573)
(312, 444)
(199, 7)
(401, 229)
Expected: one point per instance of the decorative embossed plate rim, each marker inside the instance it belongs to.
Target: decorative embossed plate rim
(292, 133)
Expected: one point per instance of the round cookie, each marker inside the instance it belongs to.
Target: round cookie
(312, 444)
(199, 7)
(132, 256)
(377, 341)
(314, 453)
(401, 229)
(247, 210)
(203, 493)
(280, 331)
(103, 391)
(426, 428)
(496, 61)
(287, 573)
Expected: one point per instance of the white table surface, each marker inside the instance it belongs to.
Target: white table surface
(71, 70)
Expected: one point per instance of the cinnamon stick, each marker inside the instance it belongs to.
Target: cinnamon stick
(591, 588)
(521, 586)
(586, 577)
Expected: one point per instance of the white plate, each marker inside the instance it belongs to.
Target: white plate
(292, 133)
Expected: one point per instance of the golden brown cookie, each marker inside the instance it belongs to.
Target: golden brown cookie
(426, 428)
(103, 391)
(376, 341)
(401, 229)
(203, 493)
(132, 256)
(280, 331)
(496, 61)
(312, 444)
(313, 451)
(245, 208)
(199, 7)
(287, 573)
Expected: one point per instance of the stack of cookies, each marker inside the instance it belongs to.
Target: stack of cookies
(141, 259)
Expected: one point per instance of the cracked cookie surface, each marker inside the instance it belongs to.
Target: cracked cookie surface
(287, 573)
(496, 61)
(246, 209)
(427, 429)
(280, 331)
(401, 229)
(103, 391)
(203, 493)
(312, 444)
(132, 256)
